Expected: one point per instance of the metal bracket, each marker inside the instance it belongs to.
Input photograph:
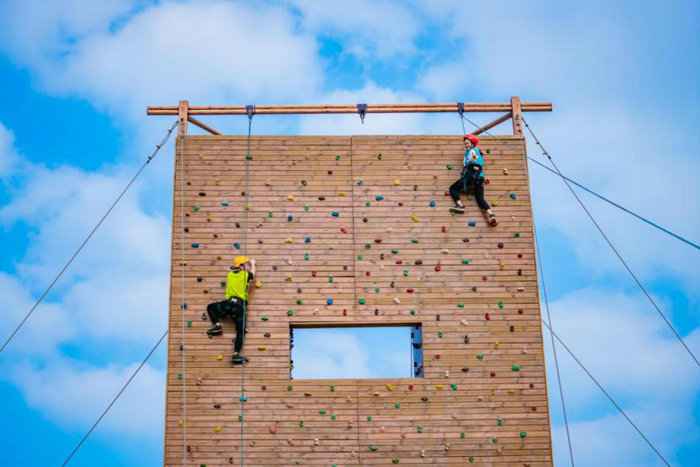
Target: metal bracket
(362, 110)
(250, 111)
(460, 108)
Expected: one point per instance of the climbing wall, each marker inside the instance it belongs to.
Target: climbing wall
(355, 230)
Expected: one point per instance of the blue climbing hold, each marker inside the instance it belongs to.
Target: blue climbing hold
(329, 301)
(195, 245)
(471, 223)
(335, 214)
(290, 218)
(432, 203)
(513, 195)
(379, 198)
(237, 245)
(243, 398)
(307, 239)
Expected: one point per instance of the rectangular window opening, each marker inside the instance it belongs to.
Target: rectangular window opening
(359, 352)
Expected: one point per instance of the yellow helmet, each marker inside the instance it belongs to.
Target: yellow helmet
(239, 260)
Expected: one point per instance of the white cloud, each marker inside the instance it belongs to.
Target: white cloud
(8, 156)
(74, 395)
(207, 52)
(369, 29)
(634, 356)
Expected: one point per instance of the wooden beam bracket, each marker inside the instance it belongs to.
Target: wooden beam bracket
(203, 126)
(492, 124)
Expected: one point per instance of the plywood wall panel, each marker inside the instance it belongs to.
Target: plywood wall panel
(471, 407)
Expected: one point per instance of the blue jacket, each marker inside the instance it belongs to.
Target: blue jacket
(473, 156)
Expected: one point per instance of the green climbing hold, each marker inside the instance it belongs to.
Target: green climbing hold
(333, 417)
(372, 448)
(466, 261)
(414, 241)
(269, 214)
(248, 157)
(361, 301)
(515, 367)
(461, 435)
(337, 157)
(395, 460)
(405, 273)
(332, 387)
(523, 434)
(516, 235)
(189, 323)
(471, 459)
(196, 208)
(359, 257)
(369, 418)
(493, 440)
(419, 429)
(179, 376)
(500, 305)
(439, 334)
(300, 301)
(240, 419)
(394, 252)
(301, 423)
(264, 318)
(289, 387)
(499, 421)
(368, 246)
(306, 208)
(322, 412)
(449, 166)
(376, 290)
(306, 256)
(480, 356)
(413, 312)
(290, 312)
(460, 305)
(397, 405)
(368, 204)
(453, 386)
(330, 279)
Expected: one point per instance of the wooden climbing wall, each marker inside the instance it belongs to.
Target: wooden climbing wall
(363, 221)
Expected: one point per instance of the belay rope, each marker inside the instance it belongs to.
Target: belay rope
(183, 301)
(250, 111)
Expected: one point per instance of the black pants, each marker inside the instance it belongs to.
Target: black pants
(466, 184)
(236, 309)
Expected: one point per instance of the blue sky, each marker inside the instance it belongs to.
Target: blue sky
(77, 76)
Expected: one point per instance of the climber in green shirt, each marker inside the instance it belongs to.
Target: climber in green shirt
(235, 305)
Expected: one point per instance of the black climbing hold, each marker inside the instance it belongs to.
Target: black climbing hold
(201, 193)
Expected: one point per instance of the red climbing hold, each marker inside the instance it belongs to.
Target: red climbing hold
(410, 387)
(487, 316)
(409, 290)
(343, 230)
(398, 261)
(313, 273)
(345, 312)
(500, 244)
(367, 273)
(444, 229)
(438, 267)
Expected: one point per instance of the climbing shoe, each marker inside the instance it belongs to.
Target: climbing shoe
(215, 330)
(457, 209)
(492, 220)
(238, 360)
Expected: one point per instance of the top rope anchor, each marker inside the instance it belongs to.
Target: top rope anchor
(362, 110)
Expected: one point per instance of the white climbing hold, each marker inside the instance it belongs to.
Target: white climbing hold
(397, 301)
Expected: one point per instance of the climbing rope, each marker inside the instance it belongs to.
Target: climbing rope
(540, 264)
(250, 112)
(114, 400)
(89, 236)
(183, 298)
(612, 247)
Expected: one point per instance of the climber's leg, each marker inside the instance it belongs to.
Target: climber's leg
(239, 318)
(455, 190)
(215, 312)
(483, 204)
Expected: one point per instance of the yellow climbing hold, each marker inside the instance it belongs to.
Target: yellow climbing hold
(414, 218)
(258, 284)
(290, 198)
(390, 387)
(439, 387)
(397, 182)
(342, 194)
(217, 429)
(219, 357)
(289, 240)
(262, 348)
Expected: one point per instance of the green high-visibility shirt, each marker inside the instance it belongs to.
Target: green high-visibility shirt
(237, 284)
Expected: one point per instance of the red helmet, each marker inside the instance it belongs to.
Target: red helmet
(474, 140)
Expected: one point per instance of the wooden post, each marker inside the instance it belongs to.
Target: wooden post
(183, 116)
(517, 111)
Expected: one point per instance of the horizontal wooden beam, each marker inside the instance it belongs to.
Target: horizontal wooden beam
(349, 109)
(494, 123)
(203, 125)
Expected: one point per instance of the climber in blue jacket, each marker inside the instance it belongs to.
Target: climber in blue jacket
(472, 180)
